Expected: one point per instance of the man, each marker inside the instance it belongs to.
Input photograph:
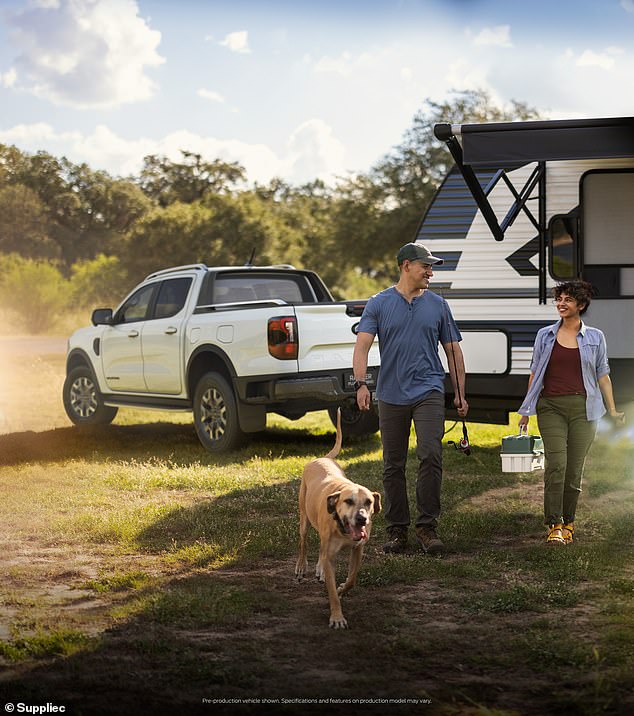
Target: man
(410, 321)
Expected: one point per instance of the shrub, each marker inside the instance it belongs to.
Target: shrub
(34, 290)
(98, 282)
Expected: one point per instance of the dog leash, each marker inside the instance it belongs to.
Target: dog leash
(461, 445)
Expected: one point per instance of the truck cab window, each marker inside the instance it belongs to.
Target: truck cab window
(136, 307)
(171, 297)
(235, 288)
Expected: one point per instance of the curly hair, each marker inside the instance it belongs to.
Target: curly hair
(581, 291)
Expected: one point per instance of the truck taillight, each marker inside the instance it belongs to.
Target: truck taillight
(283, 338)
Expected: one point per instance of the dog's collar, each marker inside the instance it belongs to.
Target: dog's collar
(340, 524)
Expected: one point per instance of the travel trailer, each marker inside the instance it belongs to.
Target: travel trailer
(526, 205)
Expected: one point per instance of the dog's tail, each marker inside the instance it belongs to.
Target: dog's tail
(337, 448)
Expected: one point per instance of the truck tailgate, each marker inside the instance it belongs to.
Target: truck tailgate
(327, 338)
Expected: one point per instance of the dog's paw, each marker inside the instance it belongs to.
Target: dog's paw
(319, 573)
(338, 622)
(343, 588)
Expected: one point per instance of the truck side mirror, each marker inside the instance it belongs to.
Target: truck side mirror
(102, 316)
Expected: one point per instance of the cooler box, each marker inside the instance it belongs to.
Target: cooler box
(522, 453)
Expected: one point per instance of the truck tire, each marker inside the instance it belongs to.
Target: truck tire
(216, 414)
(354, 422)
(83, 402)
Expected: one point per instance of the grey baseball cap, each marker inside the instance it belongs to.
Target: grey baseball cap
(416, 252)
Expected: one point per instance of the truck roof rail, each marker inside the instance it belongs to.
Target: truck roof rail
(174, 269)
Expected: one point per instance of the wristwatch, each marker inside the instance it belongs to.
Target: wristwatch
(358, 384)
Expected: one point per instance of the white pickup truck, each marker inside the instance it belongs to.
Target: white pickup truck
(230, 344)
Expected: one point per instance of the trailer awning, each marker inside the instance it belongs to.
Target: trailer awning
(506, 143)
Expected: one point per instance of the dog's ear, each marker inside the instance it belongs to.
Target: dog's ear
(377, 502)
(331, 501)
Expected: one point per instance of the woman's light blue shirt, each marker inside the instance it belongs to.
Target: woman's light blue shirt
(594, 365)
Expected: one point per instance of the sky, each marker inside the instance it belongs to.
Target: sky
(297, 89)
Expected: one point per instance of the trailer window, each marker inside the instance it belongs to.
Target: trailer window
(562, 236)
(607, 202)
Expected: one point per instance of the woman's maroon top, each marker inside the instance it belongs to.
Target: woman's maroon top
(563, 373)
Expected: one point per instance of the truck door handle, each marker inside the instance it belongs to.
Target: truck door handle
(170, 330)
(133, 334)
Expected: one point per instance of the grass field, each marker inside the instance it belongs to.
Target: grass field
(140, 574)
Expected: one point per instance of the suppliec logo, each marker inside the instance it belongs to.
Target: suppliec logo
(39, 709)
(355, 328)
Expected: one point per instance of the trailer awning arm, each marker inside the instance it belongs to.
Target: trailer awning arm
(446, 133)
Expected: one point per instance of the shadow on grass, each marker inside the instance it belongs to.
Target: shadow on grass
(159, 440)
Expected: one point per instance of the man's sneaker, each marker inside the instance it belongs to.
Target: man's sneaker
(397, 540)
(555, 537)
(567, 532)
(429, 540)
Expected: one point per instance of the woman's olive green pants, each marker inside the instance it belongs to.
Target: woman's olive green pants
(567, 436)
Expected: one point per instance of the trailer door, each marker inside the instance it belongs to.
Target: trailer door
(607, 254)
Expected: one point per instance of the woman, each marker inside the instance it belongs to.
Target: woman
(568, 386)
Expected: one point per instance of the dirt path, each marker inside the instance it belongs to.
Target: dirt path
(32, 345)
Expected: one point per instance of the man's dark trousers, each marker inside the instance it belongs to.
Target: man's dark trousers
(395, 423)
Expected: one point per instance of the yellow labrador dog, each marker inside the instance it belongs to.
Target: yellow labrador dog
(341, 512)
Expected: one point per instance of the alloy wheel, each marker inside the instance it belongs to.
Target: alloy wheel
(213, 414)
(83, 397)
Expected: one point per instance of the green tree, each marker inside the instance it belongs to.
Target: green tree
(24, 223)
(189, 180)
(176, 235)
(86, 211)
(101, 281)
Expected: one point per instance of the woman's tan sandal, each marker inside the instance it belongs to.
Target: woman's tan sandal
(567, 532)
(555, 536)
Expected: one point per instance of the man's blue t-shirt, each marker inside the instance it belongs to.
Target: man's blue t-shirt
(409, 334)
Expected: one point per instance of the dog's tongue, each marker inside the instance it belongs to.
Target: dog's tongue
(358, 533)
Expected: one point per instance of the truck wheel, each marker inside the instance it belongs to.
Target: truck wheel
(82, 400)
(354, 422)
(216, 414)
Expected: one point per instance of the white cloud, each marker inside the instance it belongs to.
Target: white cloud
(312, 151)
(34, 135)
(345, 64)
(8, 79)
(589, 58)
(463, 75)
(237, 41)
(627, 5)
(499, 36)
(210, 95)
(85, 53)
